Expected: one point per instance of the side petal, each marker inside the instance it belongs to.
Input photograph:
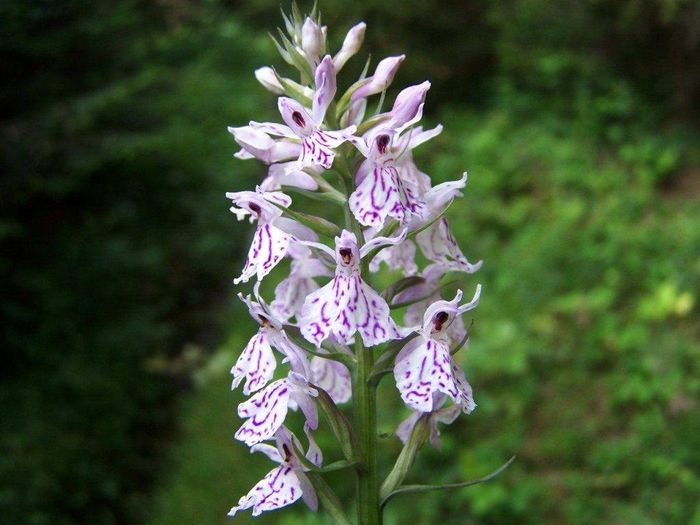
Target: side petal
(423, 371)
(372, 313)
(279, 488)
(267, 249)
(256, 364)
(438, 244)
(265, 411)
(333, 377)
(464, 390)
(320, 310)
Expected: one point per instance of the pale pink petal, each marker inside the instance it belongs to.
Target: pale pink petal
(267, 249)
(405, 428)
(256, 364)
(422, 370)
(270, 451)
(296, 116)
(333, 377)
(382, 194)
(325, 89)
(400, 257)
(279, 488)
(438, 245)
(265, 412)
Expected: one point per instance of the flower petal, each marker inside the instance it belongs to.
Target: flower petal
(439, 245)
(279, 488)
(423, 370)
(256, 364)
(333, 377)
(266, 411)
(267, 249)
(325, 89)
(381, 194)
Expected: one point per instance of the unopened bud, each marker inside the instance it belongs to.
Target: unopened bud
(266, 76)
(351, 45)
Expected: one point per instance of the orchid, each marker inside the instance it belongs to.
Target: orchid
(335, 328)
(347, 304)
(424, 367)
(286, 483)
(257, 363)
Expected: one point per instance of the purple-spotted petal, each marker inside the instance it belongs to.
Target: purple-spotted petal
(256, 364)
(279, 488)
(265, 412)
(439, 245)
(333, 377)
(422, 370)
(267, 249)
(383, 194)
(464, 390)
(296, 116)
(400, 257)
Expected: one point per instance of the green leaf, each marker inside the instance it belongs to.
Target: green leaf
(339, 424)
(317, 224)
(408, 454)
(406, 489)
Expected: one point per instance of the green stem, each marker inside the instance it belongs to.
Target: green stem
(364, 392)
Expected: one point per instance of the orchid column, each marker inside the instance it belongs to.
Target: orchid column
(336, 332)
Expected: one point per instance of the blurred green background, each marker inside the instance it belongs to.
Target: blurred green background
(578, 123)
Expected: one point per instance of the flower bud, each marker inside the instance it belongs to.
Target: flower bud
(311, 39)
(351, 45)
(382, 78)
(408, 104)
(266, 76)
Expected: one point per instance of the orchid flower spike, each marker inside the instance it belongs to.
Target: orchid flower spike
(317, 145)
(347, 304)
(286, 483)
(424, 367)
(267, 409)
(257, 363)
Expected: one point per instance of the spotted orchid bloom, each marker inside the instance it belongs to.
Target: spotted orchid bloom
(439, 414)
(347, 304)
(424, 367)
(317, 145)
(439, 245)
(286, 483)
(381, 190)
(291, 292)
(422, 295)
(267, 409)
(257, 362)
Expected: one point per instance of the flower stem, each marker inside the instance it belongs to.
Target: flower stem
(364, 392)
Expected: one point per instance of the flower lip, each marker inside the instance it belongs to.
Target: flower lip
(298, 119)
(382, 143)
(439, 320)
(345, 256)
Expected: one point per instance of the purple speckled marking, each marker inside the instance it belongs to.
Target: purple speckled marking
(256, 364)
(383, 193)
(269, 245)
(265, 411)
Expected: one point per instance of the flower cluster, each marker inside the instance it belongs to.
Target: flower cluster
(326, 313)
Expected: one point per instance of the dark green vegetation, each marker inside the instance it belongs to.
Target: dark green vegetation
(576, 123)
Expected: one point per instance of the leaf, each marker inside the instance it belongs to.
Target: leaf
(426, 488)
(408, 454)
(339, 424)
(317, 224)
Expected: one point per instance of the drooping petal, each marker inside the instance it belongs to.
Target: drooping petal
(270, 451)
(279, 488)
(333, 377)
(439, 245)
(267, 249)
(288, 174)
(464, 397)
(405, 428)
(307, 491)
(400, 257)
(256, 364)
(421, 371)
(384, 194)
(266, 411)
